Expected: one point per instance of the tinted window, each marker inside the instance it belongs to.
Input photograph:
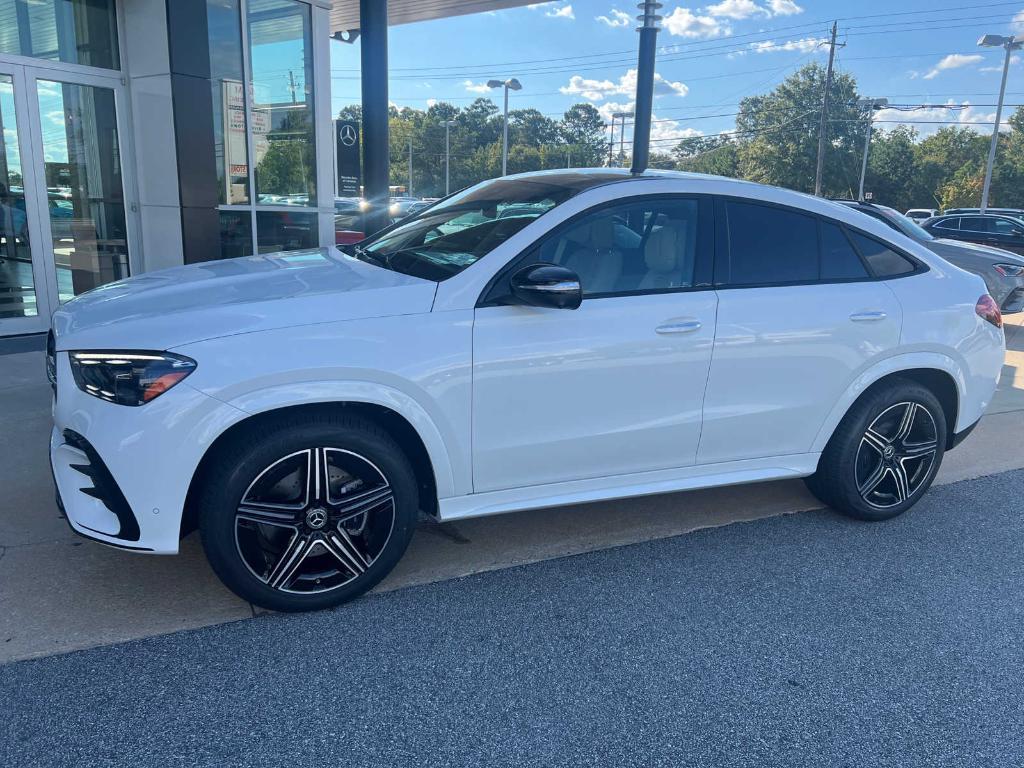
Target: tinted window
(635, 248)
(770, 245)
(947, 224)
(1003, 226)
(974, 224)
(838, 259)
(884, 262)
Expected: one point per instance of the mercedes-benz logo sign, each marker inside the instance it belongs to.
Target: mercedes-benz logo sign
(316, 519)
(347, 135)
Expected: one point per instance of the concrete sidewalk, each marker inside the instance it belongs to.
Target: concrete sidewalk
(60, 593)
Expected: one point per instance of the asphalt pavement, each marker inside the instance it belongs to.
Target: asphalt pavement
(795, 640)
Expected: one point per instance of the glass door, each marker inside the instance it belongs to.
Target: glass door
(81, 180)
(65, 224)
(24, 298)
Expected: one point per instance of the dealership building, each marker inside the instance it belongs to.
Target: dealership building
(143, 134)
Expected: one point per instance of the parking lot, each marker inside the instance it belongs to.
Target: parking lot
(60, 593)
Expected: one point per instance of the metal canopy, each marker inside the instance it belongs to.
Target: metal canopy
(345, 13)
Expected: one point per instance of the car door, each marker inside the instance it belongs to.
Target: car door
(1005, 232)
(799, 315)
(616, 386)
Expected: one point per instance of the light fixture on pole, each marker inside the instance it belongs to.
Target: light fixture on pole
(870, 105)
(622, 134)
(448, 125)
(1011, 44)
(509, 85)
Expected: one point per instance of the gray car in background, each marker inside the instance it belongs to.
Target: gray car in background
(1002, 271)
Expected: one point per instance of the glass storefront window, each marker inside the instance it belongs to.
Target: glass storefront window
(286, 230)
(82, 161)
(281, 60)
(17, 289)
(224, 23)
(72, 31)
(235, 234)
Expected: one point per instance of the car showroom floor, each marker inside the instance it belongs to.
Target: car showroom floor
(59, 592)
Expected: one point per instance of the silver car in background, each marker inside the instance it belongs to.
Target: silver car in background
(1002, 271)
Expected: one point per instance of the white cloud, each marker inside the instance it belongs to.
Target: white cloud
(1017, 25)
(737, 9)
(565, 12)
(431, 102)
(784, 8)
(615, 18)
(598, 90)
(475, 87)
(803, 45)
(662, 132)
(953, 61)
(1013, 60)
(929, 120)
(683, 22)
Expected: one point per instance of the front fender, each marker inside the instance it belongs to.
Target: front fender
(904, 362)
(450, 478)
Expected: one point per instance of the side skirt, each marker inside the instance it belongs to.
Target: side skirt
(626, 486)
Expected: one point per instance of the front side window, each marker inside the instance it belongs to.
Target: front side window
(635, 248)
(769, 245)
(1003, 227)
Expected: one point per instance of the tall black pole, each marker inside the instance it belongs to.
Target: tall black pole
(645, 84)
(373, 24)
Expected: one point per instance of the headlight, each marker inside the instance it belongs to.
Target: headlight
(129, 378)
(1009, 270)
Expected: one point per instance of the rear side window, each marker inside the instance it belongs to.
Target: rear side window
(884, 261)
(770, 245)
(948, 224)
(838, 259)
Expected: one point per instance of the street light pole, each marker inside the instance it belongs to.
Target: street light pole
(871, 105)
(1011, 44)
(447, 156)
(622, 136)
(409, 190)
(510, 84)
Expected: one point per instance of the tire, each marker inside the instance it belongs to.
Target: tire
(301, 516)
(880, 474)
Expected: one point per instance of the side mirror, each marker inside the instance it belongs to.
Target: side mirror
(547, 285)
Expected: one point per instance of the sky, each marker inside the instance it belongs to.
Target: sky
(916, 53)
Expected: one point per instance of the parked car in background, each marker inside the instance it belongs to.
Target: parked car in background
(920, 214)
(1016, 213)
(998, 231)
(1002, 271)
(305, 408)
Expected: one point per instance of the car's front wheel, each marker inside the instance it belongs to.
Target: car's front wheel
(304, 516)
(884, 454)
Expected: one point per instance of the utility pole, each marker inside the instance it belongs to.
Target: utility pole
(448, 124)
(823, 127)
(611, 142)
(291, 83)
(409, 190)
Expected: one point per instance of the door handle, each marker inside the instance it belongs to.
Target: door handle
(868, 317)
(686, 326)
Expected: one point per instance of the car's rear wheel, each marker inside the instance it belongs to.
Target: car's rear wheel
(303, 516)
(884, 454)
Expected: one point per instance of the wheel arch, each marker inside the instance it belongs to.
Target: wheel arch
(433, 471)
(939, 374)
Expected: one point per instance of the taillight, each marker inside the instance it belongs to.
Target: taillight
(987, 309)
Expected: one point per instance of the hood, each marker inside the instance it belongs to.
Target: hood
(954, 247)
(171, 307)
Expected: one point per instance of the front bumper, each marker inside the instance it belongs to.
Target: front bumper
(122, 474)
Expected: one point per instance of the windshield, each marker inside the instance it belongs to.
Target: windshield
(906, 225)
(456, 233)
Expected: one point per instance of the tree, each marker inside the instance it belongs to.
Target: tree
(779, 133)
(530, 127)
(892, 175)
(583, 129)
(716, 155)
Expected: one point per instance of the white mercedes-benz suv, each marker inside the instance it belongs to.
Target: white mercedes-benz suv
(536, 340)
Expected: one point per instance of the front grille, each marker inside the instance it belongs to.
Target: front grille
(51, 361)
